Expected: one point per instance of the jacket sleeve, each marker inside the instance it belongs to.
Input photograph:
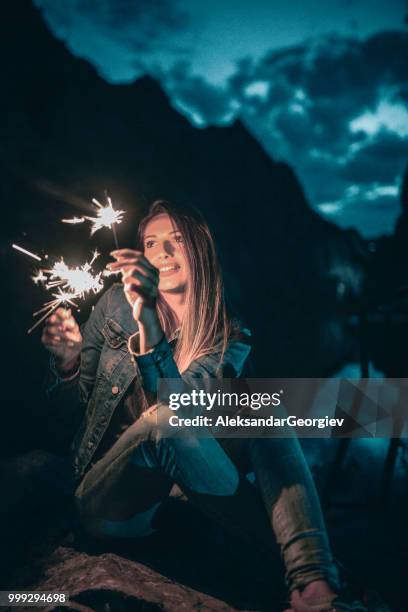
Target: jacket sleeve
(159, 363)
(66, 399)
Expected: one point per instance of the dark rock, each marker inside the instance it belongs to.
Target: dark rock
(110, 582)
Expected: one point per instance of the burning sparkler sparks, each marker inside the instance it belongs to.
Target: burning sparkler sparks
(29, 253)
(74, 220)
(39, 277)
(106, 216)
(72, 283)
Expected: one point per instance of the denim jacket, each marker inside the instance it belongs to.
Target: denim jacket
(108, 368)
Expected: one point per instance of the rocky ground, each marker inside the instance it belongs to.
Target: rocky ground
(191, 564)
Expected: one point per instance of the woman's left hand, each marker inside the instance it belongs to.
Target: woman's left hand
(140, 281)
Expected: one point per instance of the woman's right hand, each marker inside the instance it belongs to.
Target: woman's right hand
(62, 338)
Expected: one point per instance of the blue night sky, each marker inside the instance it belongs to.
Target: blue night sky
(322, 85)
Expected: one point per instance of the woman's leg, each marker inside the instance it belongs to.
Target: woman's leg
(122, 492)
(293, 506)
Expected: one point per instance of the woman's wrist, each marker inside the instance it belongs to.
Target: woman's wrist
(150, 333)
(67, 368)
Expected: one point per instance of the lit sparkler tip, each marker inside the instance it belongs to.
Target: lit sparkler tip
(106, 216)
(19, 248)
(70, 283)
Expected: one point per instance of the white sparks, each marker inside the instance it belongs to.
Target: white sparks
(78, 280)
(74, 220)
(106, 216)
(72, 283)
(39, 277)
(19, 248)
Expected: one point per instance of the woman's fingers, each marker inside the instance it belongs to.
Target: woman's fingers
(135, 274)
(61, 337)
(124, 256)
(149, 273)
(61, 329)
(51, 340)
(137, 291)
(125, 253)
(138, 279)
(61, 314)
(61, 318)
(124, 264)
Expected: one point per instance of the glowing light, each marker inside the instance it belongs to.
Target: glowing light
(74, 220)
(78, 280)
(19, 248)
(72, 283)
(106, 216)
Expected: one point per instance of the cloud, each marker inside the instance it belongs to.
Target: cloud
(334, 107)
(142, 26)
(204, 103)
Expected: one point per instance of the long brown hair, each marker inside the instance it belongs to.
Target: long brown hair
(206, 325)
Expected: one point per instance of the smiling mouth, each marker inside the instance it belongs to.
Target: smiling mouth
(167, 270)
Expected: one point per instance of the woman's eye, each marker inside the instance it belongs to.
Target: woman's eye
(149, 244)
(178, 238)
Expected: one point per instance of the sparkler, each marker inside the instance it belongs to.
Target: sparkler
(72, 283)
(106, 216)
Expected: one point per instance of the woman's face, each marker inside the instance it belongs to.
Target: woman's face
(164, 248)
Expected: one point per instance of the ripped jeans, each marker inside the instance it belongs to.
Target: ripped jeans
(121, 493)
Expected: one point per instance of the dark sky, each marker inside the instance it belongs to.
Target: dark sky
(323, 85)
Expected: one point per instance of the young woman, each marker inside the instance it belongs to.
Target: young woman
(168, 319)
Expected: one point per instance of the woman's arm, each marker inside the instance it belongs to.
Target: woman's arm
(149, 346)
(159, 362)
(67, 393)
